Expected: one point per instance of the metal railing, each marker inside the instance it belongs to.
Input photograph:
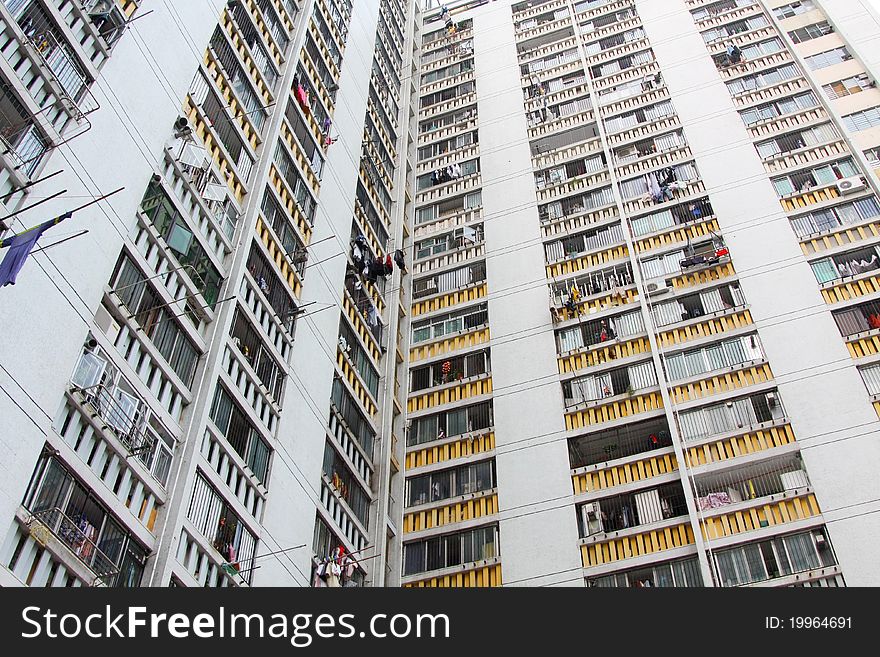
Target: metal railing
(128, 425)
(26, 145)
(58, 58)
(72, 534)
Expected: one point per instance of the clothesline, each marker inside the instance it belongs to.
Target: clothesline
(69, 212)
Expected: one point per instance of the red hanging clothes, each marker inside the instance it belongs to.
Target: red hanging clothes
(302, 97)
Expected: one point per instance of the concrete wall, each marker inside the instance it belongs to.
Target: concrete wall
(538, 524)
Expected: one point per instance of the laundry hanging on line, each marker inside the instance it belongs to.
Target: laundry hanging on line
(20, 247)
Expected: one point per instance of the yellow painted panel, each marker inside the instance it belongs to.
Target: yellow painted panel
(428, 455)
(483, 577)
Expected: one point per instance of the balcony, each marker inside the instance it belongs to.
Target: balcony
(592, 292)
(783, 560)
(102, 389)
(57, 61)
(598, 520)
(77, 541)
(74, 524)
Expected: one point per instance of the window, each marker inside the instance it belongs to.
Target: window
(797, 140)
(359, 426)
(775, 109)
(449, 281)
(443, 485)
(810, 32)
(828, 58)
(605, 445)
(763, 79)
(595, 387)
(243, 437)
(175, 230)
(80, 520)
(450, 550)
(449, 371)
(794, 9)
(298, 187)
(858, 319)
(864, 120)
(824, 176)
(678, 574)
(359, 357)
(449, 324)
(599, 331)
(248, 341)
(708, 302)
(777, 557)
(726, 354)
(601, 238)
(276, 290)
(346, 483)
(871, 377)
(833, 218)
(734, 28)
(740, 414)
(216, 520)
(439, 426)
(158, 324)
(852, 263)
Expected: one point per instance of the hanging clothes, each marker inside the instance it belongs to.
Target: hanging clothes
(302, 97)
(400, 259)
(357, 256)
(20, 247)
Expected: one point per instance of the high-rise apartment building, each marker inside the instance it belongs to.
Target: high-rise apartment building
(478, 294)
(642, 296)
(197, 389)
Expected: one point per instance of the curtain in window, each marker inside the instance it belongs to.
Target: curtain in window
(667, 313)
(571, 339)
(692, 425)
(850, 322)
(687, 573)
(554, 251)
(871, 377)
(801, 552)
(867, 208)
(628, 325)
(825, 271)
(712, 301)
(743, 414)
(642, 376)
(652, 223)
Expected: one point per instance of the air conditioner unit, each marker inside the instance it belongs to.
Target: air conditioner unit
(850, 185)
(656, 288)
(106, 322)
